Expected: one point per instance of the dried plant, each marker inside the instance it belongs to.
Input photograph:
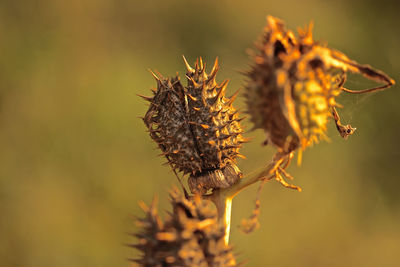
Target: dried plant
(290, 94)
(197, 128)
(191, 236)
(292, 86)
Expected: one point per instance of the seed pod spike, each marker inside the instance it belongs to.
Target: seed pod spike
(274, 23)
(215, 67)
(233, 97)
(222, 89)
(155, 76)
(247, 139)
(194, 82)
(211, 79)
(191, 97)
(143, 206)
(291, 37)
(240, 119)
(147, 98)
(203, 73)
(189, 69)
(163, 154)
(201, 66)
(137, 261)
(241, 156)
(135, 246)
(306, 34)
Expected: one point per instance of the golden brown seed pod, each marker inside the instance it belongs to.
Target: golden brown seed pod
(197, 127)
(190, 236)
(293, 83)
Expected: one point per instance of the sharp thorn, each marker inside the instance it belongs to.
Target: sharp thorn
(201, 66)
(240, 119)
(233, 97)
(189, 69)
(154, 75)
(222, 89)
(215, 67)
(192, 97)
(147, 98)
(195, 84)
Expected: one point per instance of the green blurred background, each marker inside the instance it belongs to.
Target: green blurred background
(75, 159)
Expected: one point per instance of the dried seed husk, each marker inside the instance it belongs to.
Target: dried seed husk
(197, 127)
(292, 86)
(191, 236)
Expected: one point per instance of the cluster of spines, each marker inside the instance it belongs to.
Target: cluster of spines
(191, 236)
(196, 126)
(213, 119)
(168, 126)
(291, 92)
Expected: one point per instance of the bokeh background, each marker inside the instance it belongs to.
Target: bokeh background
(75, 159)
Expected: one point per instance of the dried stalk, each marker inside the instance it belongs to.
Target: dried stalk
(222, 198)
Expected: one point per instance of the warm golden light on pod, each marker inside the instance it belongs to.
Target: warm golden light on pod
(292, 86)
(197, 127)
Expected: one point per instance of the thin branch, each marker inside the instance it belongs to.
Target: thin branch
(223, 204)
(267, 173)
(222, 198)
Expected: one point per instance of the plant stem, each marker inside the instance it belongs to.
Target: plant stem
(266, 173)
(223, 197)
(224, 209)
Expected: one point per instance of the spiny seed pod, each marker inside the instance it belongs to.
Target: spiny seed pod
(190, 237)
(197, 128)
(293, 83)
